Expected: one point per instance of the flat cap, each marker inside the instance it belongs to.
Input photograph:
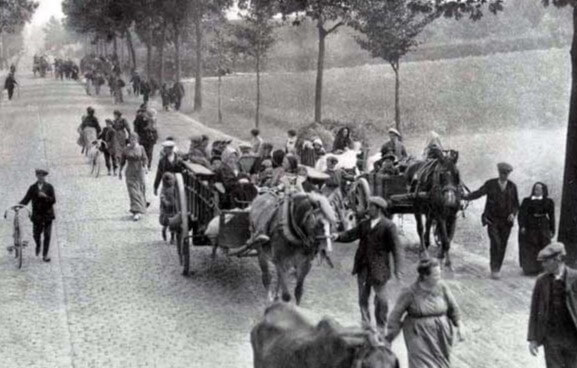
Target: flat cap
(168, 143)
(390, 156)
(395, 131)
(504, 167)
(41, 172)
(551, 250)
(332, 158)
(379, 202)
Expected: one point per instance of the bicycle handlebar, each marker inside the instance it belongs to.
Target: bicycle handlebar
(16, 209)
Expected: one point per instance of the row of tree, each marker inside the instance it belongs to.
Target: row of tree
(14, 14)
(388, 29)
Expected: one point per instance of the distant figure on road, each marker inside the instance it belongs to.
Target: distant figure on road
(9, 84)
(112, 149)
(378, 241)
(135, 160)
(536, 227)
(177, 94)
(553, 318)
(499, 215)
(165, 96)
(427, 313)
(42, 196)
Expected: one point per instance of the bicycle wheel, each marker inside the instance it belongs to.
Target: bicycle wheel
(18, 248)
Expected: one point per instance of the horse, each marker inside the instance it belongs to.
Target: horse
(299, 228)
(439, 178)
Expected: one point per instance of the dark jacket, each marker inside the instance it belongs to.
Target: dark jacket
(375, 248)
(397, 149)
(42, 208)
(500, 204)
(10, 82)
(164, 165)
(537, 215)
(90, 121)
(540, 302)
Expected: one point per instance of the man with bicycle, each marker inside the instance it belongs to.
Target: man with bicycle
(43, 198)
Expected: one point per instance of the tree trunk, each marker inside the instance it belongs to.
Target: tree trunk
(397, 97)
(131, 49)
(568, 220)
(198, 69)
(177, 53)
(257, 114)
(219, 102)
(320, 69)
(161, 55)
(148, 60)
(115, 44)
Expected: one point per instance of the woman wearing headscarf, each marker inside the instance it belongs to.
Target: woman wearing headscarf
(122, 129)
(311, 152)
(343, 140)
(197, 152)
(433, 146)
(428, 314)
(136, 163)
(536, 227)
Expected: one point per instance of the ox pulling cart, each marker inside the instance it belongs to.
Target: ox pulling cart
(198, 198)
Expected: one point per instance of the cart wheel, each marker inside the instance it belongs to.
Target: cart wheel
(183, 241)
(359, 196)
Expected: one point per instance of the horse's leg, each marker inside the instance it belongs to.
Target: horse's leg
(451, 223)
(302, 272)
(428, 225)
(419, 221)
(444, 250)
(282, 275)
(263, 262)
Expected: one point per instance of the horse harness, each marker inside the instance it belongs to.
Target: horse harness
(291, 227)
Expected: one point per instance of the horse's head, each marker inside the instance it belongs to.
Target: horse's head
(316, 219)
(369, 350)
(449, 183)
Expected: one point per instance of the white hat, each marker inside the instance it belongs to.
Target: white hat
(168, 144)
(395, 131)
(318, 141)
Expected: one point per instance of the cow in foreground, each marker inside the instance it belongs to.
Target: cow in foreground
(285, 339)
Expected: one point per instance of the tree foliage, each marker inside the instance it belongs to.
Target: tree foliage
(15, 13)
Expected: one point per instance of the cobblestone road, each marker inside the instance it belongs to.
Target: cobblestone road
(113, 295)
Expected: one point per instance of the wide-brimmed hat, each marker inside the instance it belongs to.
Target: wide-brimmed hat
(41, 172)
(168, 144)
(551, 250)
(332, 158)
(395, 132)
(379, 202)
(504, 167)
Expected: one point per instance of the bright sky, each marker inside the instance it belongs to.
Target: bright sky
(46, 9)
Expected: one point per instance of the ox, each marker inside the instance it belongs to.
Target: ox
(285, 339)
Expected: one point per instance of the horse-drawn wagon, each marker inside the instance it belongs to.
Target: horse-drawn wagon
(202, 222)
(430, 188)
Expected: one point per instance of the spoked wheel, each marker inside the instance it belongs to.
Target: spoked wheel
(359, 196)
(183, 244)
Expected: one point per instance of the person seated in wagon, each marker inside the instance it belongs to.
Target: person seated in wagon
(395, 146)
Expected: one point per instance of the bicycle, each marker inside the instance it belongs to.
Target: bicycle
(19, 244)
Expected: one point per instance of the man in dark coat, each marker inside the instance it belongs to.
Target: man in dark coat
(378, 240)
(178, 94)
(500, 210)
(90, 121)
(43, 198)
(9, 84)
(553, 319)
(169, 162)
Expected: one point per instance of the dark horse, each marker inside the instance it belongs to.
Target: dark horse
(436, 185)
(300, 226)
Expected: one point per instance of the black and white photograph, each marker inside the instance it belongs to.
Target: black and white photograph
(288, 183)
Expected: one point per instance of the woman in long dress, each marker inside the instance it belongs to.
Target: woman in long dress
(428, 315)
(536, 227)
(136, 162)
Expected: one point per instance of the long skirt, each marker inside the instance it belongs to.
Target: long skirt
(530, 244)
(429, 341)
(136, 191)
